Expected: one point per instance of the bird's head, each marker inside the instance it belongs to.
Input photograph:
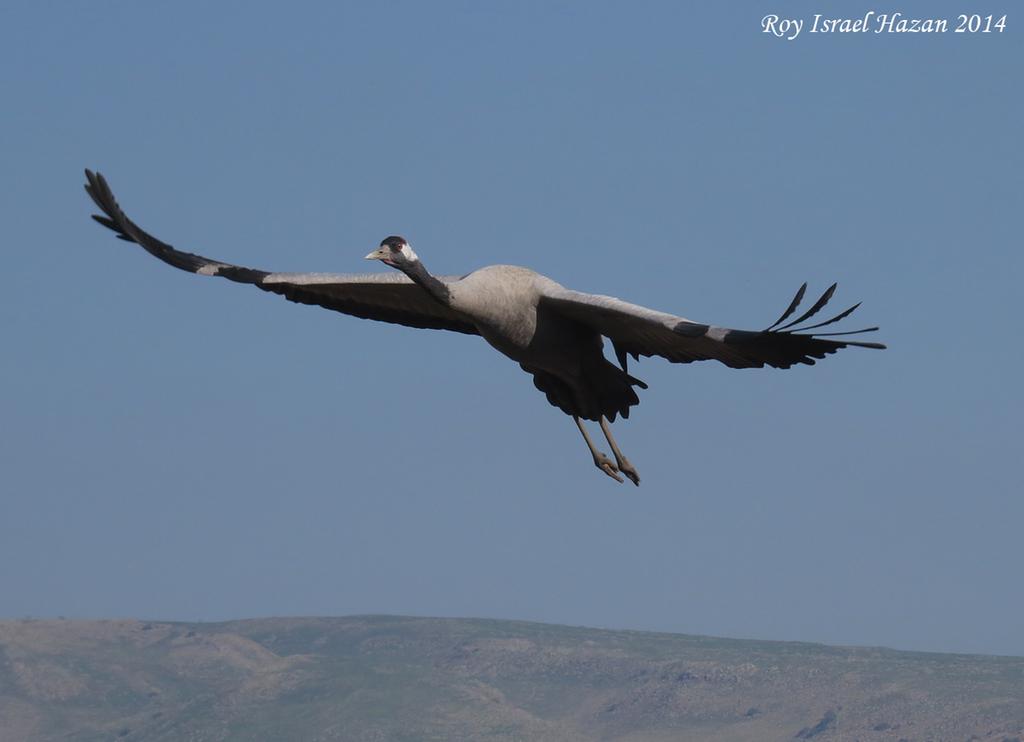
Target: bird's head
(394, 251)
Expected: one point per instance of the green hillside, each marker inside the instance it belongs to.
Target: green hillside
(389, 678)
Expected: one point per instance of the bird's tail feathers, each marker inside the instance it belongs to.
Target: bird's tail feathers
(604, 390)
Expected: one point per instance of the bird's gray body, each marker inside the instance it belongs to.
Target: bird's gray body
(565, 357)
(504, 302)
(501, 301)
(556, 334)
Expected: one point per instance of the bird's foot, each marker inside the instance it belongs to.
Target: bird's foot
(605, 464)
(629, 471)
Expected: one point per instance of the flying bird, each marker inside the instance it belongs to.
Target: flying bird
(554, 333)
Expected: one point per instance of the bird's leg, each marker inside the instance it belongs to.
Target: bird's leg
(623, 463)
(601, 461)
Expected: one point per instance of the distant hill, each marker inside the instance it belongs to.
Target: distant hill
(377, 678)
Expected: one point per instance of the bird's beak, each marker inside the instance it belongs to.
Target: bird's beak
(377, 254)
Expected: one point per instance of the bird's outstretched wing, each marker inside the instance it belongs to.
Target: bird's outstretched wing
(639, 331)
(388, 297)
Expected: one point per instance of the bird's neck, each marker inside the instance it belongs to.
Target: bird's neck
(436, 288)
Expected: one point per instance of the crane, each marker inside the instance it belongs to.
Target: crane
(554, 333)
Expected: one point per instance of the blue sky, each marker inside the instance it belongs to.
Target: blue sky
(177, 447)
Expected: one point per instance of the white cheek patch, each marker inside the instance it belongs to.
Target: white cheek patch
(408, 253)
